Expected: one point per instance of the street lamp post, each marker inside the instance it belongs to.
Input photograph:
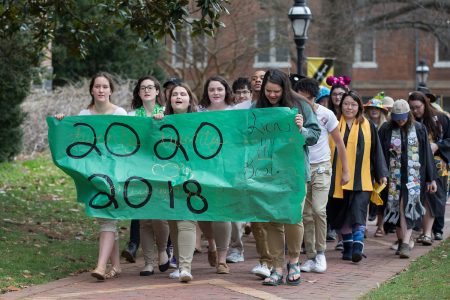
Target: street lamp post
(422, 71)
(300, 16)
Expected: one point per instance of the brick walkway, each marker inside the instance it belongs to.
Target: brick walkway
(339, 282)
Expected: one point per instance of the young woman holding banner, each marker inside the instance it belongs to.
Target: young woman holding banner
(182, 232)
(276, 91)
(101, 87)
(217, 95)
(147, 102)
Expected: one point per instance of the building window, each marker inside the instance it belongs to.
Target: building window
(272, 50)
(365, 51)
(188, 50)
(442, 55)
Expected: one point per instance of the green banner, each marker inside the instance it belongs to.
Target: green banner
(235, 165)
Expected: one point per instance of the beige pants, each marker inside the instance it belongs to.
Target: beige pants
(260, 234)
(219, 231)
(182, 234)
(153, 232)
(278, 234)
(222, 235)
(237, 230)
(315, 211)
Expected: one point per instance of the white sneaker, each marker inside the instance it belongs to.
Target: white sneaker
(321, 264)
(185, 276)
(255, 268)
(308, 265)
(394, 246)
(261, 271)
(235, 256)
(175, 274)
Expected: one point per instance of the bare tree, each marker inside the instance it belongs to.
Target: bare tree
(341, 21)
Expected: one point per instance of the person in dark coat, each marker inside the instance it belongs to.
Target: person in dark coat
(438, 127)
(347, 207)
(411, 172)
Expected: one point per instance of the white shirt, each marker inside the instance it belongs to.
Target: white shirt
(118, 112)
(243, 105)
(320, 152)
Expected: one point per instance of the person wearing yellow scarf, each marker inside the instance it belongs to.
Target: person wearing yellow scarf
(348, 203)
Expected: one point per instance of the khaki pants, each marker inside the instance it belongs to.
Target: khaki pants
(182, 234)
(279, 234)
(315, 211)
(260, 235)
(151, 232)
(222, 235)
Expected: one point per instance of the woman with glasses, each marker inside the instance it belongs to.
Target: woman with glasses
(438, 126)
(347, 207)
(339, 86)
(147, 102)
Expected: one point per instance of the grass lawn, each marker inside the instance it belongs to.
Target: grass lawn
(44, 232)
(426, 278)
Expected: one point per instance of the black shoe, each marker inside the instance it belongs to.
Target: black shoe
(357, 251)
(438, 236)
(347, 252)
(129, 253)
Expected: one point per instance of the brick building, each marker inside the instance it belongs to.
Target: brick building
(258, 35)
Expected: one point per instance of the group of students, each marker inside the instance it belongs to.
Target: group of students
(350, 153)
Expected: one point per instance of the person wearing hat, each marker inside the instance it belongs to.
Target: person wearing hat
(411, 172)
(376, 112)
(323, 97)
(431, 97)
(438, 127)
(388, 103)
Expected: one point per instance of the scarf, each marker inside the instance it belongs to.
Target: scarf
(414, 209)
(359, 167)
(140, 112)
(441, 166)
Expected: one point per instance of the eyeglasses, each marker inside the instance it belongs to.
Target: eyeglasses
(337, 94)
(147, 88)
(243, 92)
(416, 107)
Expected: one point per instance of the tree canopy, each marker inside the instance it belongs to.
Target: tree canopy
(150, 20)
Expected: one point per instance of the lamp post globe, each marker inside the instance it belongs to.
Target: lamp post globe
(422, 71)
(300, 16)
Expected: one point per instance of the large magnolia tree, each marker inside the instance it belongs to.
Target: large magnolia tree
(28, 27)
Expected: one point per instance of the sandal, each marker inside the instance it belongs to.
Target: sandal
(274, 279)
(99, 273)
(427, 240)
(293, 270)
(420, 238)
(113, 273)
(379, 232)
